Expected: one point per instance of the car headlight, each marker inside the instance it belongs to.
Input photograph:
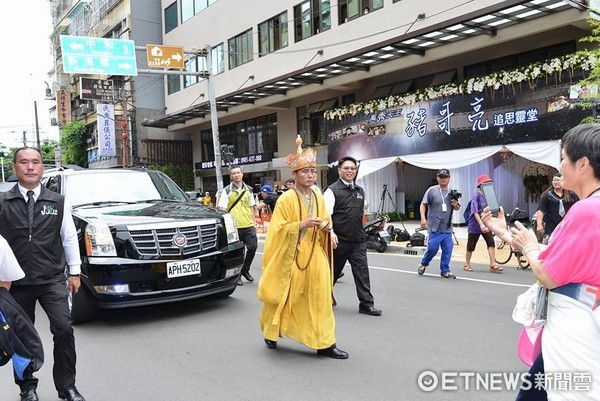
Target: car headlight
(231, 228)
(99, 241)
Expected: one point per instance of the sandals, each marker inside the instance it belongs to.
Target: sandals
(496, 269)
(467, 268)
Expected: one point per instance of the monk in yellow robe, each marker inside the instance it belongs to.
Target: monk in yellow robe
(297, 269)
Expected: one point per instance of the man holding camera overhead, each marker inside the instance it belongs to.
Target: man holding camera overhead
(440, 202)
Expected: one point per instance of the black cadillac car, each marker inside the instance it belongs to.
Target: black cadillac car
(143, 241)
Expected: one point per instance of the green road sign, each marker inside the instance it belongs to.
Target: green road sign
(91, 55)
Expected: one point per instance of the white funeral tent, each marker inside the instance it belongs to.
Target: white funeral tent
(407, 177)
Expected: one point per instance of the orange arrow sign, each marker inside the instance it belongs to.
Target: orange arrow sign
(160, 56)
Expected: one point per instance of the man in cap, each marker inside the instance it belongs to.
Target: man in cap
(269, 199)
(438, 222)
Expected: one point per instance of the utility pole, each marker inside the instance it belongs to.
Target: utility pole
(213, 121)
(37, 127)
(124, 129)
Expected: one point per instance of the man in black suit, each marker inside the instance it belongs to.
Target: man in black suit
(37, 224)
(345, 202)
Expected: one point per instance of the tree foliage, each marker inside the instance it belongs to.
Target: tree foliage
(182, 174)
(73, 142)
(47, 149)
(594, 74)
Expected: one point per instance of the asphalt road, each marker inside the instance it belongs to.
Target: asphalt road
(213, 350)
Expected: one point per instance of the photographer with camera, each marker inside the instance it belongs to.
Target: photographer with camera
(440, 202)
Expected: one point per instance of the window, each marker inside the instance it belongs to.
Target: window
(518, 60)
(249, 137)
(173, 83)
(311, 123)
(218, 59)
(348, 99)
(189, 8)
(194, 64)
(311, 17)
(171, 17)
(351, 9)
(273, 34)
(240, 49)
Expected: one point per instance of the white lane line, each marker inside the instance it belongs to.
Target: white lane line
(437, 275)
(458, 278)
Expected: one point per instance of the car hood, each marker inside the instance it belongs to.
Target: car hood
(146, 213)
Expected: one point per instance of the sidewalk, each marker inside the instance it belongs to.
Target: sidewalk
(480, 255)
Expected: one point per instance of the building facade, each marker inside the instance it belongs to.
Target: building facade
(327, 69)
(131, 99)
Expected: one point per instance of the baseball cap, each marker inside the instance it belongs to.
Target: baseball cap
(483, 178)
(443, 171)
(266, 188)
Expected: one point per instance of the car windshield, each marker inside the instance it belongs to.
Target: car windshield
(122, 187)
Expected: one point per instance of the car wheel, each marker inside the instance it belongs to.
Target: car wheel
(83, 307)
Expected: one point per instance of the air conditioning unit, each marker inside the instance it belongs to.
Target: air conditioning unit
(53, 121)
(84, 109)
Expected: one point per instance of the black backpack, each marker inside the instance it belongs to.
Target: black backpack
(397, 234)
(418, 238)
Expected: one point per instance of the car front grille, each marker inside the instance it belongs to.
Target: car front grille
(159, 240)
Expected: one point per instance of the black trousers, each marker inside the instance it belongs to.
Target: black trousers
(26, 341)
(534, 394)
(248, 237)
(53, 298)
(356, 254)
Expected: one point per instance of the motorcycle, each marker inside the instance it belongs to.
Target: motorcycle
(377, 237)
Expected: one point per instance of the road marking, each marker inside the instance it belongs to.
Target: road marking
(457, 278)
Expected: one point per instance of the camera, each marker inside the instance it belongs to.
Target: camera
(454, 194)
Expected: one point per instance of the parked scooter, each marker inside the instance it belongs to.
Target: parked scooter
(377, 237)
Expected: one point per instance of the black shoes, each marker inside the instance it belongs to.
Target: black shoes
(333, 352)
(29, 395)
(369, 310)
(239, 281)
(271, 344)
(247, 276)
(71, 395)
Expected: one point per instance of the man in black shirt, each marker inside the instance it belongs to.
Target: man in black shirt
(554, 204)
(37, 224)
(269, 199)
(345, 203)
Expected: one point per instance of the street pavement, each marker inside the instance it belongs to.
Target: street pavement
(213, 349)
(480, 255)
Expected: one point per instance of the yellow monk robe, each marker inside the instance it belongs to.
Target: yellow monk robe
(296, 287)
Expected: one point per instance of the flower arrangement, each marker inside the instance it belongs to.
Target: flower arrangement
(583, 60)
(535, 177)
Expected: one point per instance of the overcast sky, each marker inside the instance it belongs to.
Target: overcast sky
(26, 60)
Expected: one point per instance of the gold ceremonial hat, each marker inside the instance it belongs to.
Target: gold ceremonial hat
(300, 160)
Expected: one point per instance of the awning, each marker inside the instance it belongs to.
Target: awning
(545, 152)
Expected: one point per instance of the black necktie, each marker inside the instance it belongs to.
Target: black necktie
(30, 206)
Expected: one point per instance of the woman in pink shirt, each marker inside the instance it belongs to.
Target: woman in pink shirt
(570, 268)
